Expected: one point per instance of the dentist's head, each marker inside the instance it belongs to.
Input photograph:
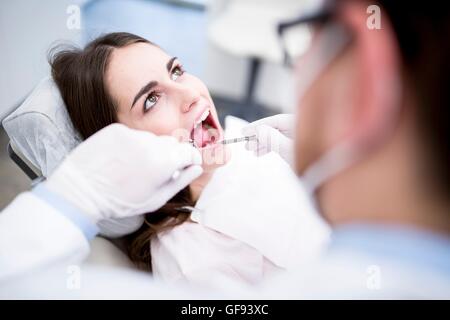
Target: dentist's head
(378, 112)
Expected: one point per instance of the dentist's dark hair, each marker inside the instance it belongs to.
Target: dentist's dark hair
(423, 35)
(80, 77)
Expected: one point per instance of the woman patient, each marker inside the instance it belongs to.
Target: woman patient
(121, 77)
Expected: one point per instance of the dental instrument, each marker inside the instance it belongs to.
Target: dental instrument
(235, 140)
(229, 141)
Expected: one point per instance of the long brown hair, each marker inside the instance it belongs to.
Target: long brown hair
(80, 77)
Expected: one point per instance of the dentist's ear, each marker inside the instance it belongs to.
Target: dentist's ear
(356, 102)
(378, 66)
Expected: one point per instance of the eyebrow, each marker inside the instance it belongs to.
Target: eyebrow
(143, 90)
(152, 84)
(170, 63)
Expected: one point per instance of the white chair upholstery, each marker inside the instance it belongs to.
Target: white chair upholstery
(40, 128)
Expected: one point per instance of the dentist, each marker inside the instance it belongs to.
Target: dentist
(371, 148)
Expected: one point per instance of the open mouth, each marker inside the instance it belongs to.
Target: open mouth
(205, 131)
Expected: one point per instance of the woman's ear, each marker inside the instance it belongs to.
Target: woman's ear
(377, 62)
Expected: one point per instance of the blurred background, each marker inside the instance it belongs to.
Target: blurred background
(230, 44)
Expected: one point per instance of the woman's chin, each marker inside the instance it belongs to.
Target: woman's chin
(215, 156)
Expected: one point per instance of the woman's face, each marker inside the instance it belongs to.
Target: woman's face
(153, 93)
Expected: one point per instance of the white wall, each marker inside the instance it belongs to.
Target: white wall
(226, 74)
(27, 30)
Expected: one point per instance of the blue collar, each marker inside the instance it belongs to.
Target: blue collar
(398, 243)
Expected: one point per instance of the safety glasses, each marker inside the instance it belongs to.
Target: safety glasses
(298, 30)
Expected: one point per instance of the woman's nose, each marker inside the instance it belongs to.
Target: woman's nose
(188, 98)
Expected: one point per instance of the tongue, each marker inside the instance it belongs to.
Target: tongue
(201, 136)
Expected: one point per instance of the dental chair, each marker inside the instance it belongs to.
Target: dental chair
(41, 135)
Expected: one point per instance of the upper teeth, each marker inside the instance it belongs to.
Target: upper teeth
(202, 118)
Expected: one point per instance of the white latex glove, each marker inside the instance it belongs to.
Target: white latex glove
(120, 172)
(272, 134)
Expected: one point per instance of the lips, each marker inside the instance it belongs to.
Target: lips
(205, 130)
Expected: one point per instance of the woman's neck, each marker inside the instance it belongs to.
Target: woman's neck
(221, 155)
(196, 187)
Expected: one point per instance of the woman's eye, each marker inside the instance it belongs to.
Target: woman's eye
(150, 101)
(177, 72)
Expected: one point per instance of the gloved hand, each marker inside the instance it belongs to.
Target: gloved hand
(121, 172)
(272, 134)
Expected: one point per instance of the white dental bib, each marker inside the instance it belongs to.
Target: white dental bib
(253, 220)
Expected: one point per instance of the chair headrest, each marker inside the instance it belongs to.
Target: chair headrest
(41, 128)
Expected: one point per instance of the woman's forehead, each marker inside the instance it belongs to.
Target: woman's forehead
(132, 67)
(132, 60)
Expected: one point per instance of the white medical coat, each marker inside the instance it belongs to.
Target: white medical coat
(37, 244)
